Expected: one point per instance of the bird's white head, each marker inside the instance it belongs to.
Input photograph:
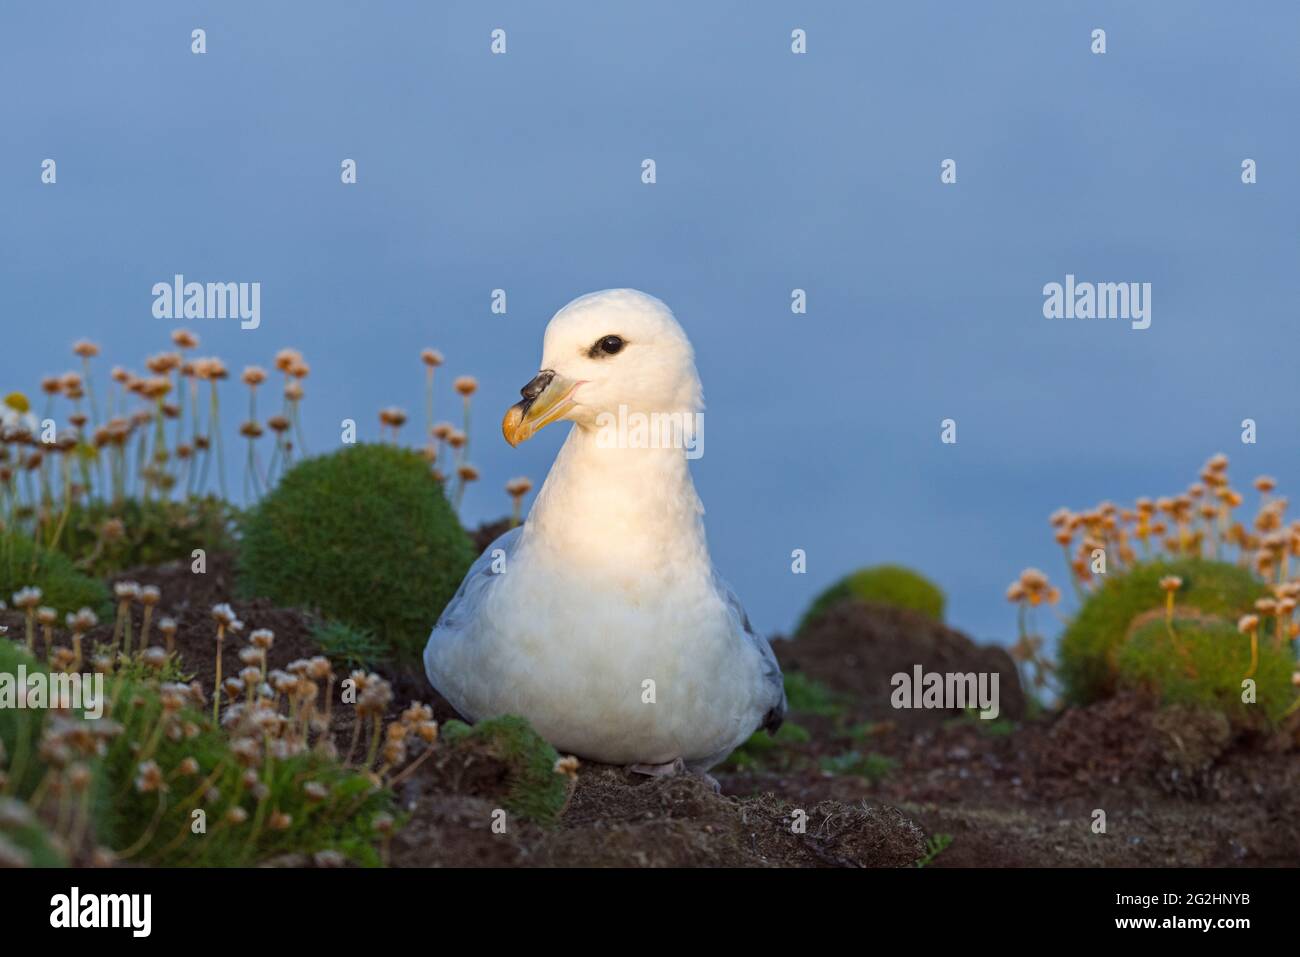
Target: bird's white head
(606, 350)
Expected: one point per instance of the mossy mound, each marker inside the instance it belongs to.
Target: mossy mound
(1202, 661)
(348, 646)
(891, 585)
(505, 758)
(1089, 645)
(62, 586)
(366, 537)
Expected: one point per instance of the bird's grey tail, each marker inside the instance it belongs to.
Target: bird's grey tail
(774, 718)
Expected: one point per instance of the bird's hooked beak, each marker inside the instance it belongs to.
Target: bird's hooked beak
(547, 398)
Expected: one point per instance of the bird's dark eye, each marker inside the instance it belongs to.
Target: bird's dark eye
(608, 345)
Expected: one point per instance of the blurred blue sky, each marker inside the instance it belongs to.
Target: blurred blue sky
(775, 171)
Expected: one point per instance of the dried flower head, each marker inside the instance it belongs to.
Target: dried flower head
(518, 487)
(149, 778)
(568, 766)
(392, 417)
(27, 598)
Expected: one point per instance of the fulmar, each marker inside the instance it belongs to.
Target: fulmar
(601, 619)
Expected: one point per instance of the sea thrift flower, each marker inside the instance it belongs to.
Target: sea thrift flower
(225, 618)
(149, 596)
(80, 623)
(168, 628)
(1249, 624)
(126, 592)
(47, 618)
(392, 418)
(1170, 584)
(28, 599)
(149, 778)
(315, 791)
(517, 488)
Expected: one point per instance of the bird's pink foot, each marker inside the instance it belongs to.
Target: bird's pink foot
(671, 768)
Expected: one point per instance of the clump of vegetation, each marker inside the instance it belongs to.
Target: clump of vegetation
(105, 537)
(891, 585)
(993, 728)
(24, 841)
(1200, 660)
(365, 536)
(123, 782)
(809, 696)
(935, 845)
(1160, 585)
(20, 728)
(23, 564)
(762, 750)
(349, 646)
(1094, 637)
(537, 784)
(263, 791)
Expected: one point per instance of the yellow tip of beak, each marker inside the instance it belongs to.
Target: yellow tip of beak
(539, 409)
(514, 428)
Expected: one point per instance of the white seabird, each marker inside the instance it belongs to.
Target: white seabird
(601, 619)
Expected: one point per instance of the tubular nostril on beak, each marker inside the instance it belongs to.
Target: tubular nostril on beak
(535, 388)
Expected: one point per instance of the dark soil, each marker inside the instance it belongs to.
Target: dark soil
(884, 641)
(1178, 787)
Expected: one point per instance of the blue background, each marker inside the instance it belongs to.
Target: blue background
(775, 171)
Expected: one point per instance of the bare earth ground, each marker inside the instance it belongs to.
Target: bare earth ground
(1177, 787)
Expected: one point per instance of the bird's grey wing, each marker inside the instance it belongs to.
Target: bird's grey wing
(773, 682)
(480, 577)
